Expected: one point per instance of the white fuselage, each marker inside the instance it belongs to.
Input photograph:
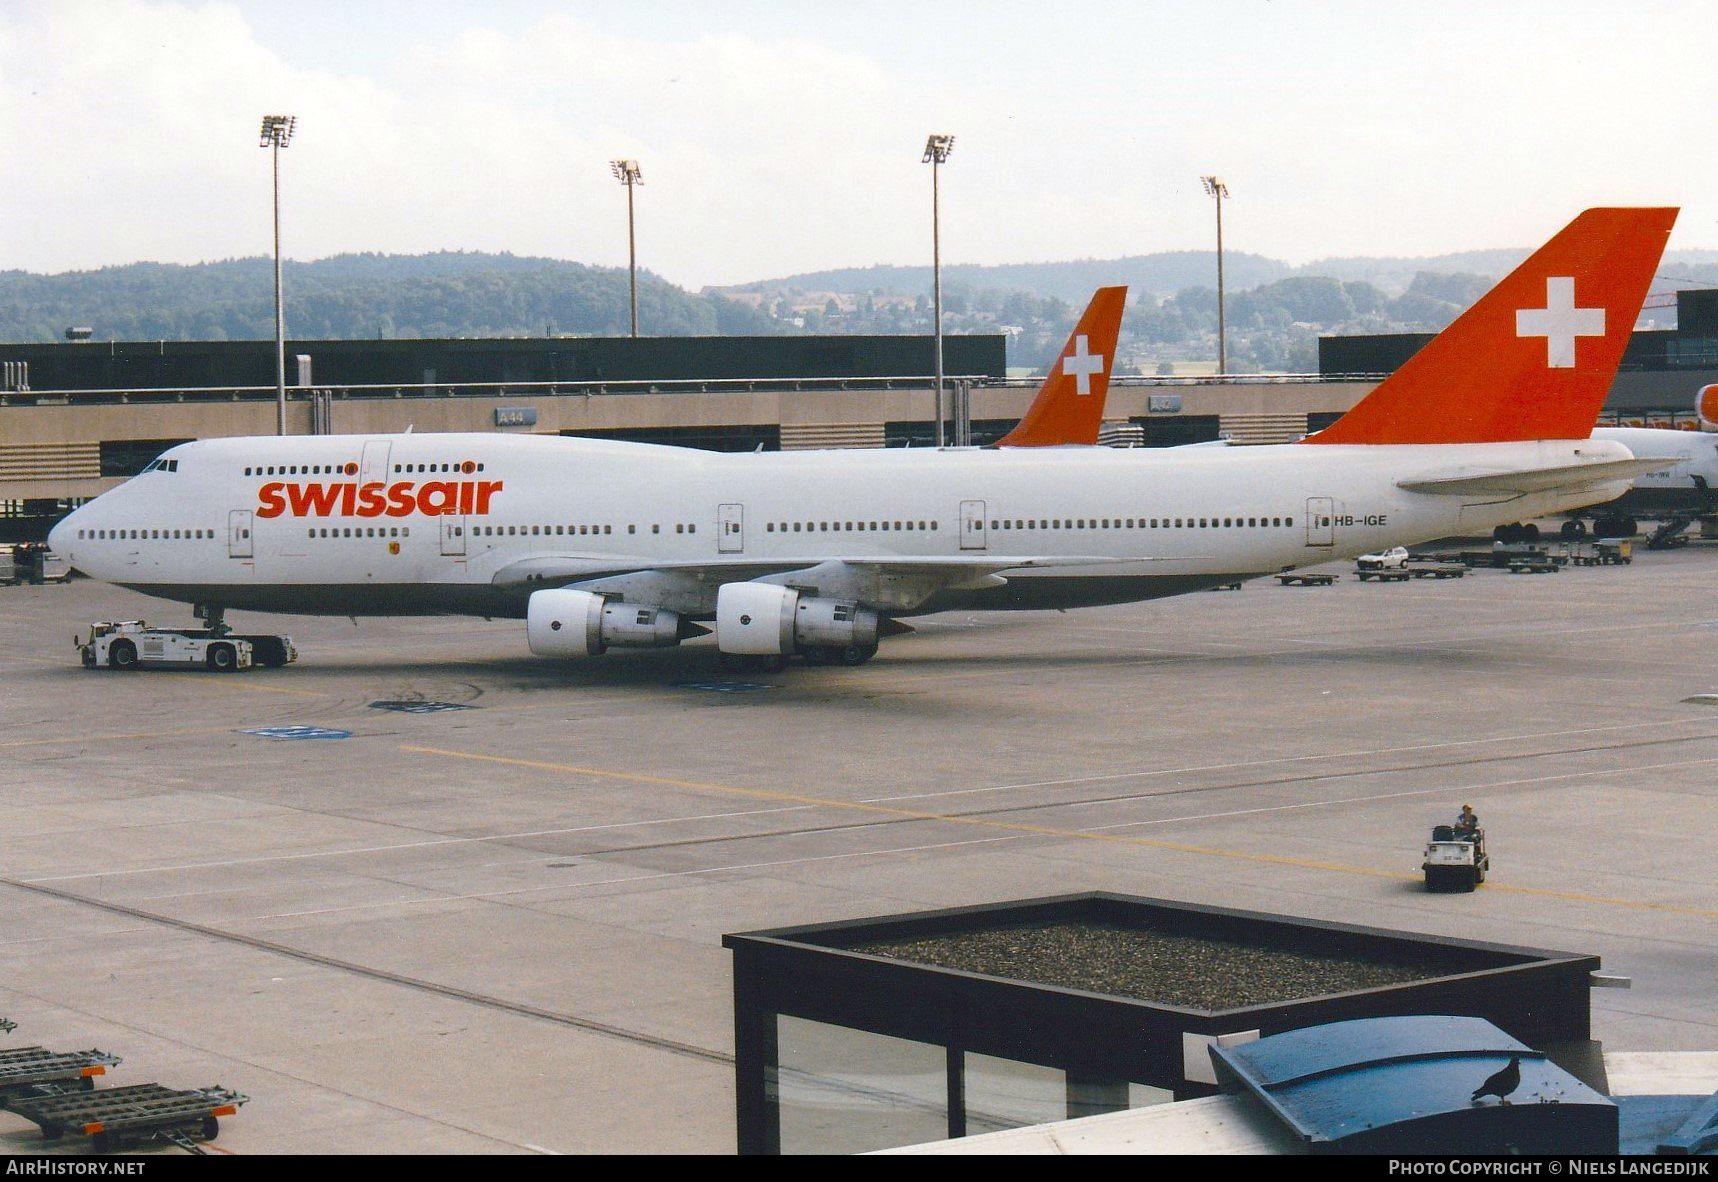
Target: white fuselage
(1689, 485)
(472, 523)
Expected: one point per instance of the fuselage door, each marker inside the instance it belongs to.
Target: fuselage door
(374, 464)
(730, 529)
(452, 533)
(1320, 521)
(239, 542)
(972, 536)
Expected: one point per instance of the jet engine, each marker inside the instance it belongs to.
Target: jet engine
(568, 623)
(764, 619)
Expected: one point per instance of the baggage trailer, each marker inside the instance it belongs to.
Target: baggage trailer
(120, 1118)
(133, 644)
(36, 1071)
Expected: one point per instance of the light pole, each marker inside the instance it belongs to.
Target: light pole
(627, 173)
(1216, 188)
(937, 149)
(277, 134)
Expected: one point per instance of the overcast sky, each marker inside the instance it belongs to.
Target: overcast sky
(784, 137)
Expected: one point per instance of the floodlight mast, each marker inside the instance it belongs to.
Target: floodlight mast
(628, 173)
(276, 134)
(937, 149)
(1215, 187)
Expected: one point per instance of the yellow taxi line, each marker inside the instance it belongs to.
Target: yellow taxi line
(1039, 830)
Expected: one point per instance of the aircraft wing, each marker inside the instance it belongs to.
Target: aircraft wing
(557, 570)
(1531, 480)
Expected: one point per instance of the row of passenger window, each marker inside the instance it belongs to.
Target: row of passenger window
(824, 527)
(1141, 523)
(102, 535)
(361, 531)
(1012, 523)
(465, 466)
(508, 531)
(349, 468)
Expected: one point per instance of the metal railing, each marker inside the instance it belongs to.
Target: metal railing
(586, 388)
(517, 389)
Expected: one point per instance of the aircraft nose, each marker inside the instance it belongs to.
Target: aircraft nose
(60, 538)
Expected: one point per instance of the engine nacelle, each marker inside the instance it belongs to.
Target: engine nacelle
(567, 623)
(763, 619)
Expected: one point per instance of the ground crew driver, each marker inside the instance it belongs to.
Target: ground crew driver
(1467, 823)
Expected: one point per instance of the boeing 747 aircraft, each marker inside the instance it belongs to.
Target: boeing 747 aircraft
(600, 544)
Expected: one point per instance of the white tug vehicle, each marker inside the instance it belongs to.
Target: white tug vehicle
(133, 644)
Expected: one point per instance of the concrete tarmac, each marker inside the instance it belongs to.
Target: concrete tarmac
(497, 929)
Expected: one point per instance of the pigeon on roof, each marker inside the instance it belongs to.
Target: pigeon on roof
(1502, 1083)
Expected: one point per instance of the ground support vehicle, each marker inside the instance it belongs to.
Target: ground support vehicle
(1455, 863)
(133, 644)
(1422, 568)
(37, 564)
(1387, 566)
(1299, 579)
(1536, 565)
(1672, 533)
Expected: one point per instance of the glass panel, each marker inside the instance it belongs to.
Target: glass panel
(838, 1090)
(1005, 1094)
(1144, 1095)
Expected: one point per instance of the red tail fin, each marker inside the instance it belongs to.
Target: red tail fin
(1535, 357)
(1070, 404)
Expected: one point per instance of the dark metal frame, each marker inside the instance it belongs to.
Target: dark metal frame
(814, 972)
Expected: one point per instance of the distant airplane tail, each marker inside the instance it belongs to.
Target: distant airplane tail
(1535, 357)
(1070, 404)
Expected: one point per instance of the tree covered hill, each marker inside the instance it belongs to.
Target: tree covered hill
(360, 295)
(1074, 282)
(1275, 312)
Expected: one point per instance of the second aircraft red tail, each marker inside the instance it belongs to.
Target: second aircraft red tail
(1070, 404)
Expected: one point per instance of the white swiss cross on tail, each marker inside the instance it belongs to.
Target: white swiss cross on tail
(1082, 365)
(1560, 322)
